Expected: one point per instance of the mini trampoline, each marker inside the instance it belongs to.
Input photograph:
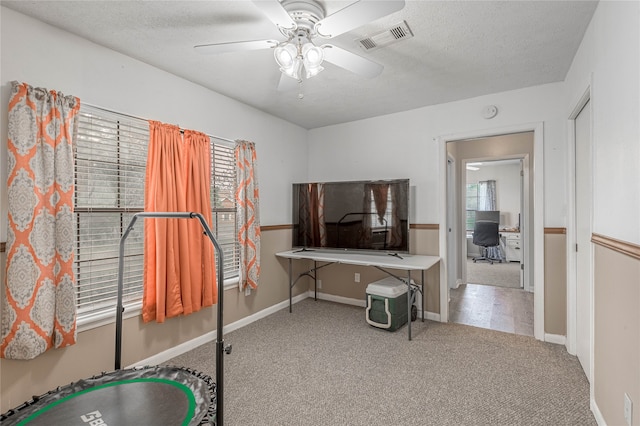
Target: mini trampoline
(138, 396)
(152, 395)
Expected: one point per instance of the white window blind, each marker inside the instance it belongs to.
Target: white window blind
(111, 154)
(223, 203)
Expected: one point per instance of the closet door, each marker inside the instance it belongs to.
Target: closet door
(584, 257)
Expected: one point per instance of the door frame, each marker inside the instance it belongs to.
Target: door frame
(535, 257)
(452, 218)
(572, 285)
(524, 194)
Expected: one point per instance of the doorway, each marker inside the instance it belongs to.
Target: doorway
(512, 144)
(495, 184)
(492, 294)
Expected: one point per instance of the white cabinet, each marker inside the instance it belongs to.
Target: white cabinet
(512, 246)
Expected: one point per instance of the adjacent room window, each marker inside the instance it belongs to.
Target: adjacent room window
(471, 205)
(110, 154)
(387, 221)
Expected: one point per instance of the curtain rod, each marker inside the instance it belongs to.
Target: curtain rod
(146, 119)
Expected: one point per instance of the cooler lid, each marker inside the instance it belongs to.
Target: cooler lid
(387, 287)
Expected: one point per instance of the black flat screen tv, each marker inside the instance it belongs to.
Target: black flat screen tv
(352, 215)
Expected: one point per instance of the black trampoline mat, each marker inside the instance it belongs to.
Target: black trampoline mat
(139, 401)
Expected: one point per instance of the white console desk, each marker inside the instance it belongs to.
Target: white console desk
(382, 261)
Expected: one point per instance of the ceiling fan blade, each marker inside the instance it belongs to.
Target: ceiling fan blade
(356, 15)
(275, 12)
(351, 62)
(287, 83)
(236, 46)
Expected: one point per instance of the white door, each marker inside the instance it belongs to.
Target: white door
(583, 237)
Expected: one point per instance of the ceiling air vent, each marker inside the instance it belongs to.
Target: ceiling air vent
(397, 32)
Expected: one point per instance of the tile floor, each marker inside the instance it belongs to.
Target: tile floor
(497, 308)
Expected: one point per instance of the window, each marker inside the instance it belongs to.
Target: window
(110, 154)
(471, 205)
(223, 204)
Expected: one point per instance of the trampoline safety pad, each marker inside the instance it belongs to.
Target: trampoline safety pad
(140, 396)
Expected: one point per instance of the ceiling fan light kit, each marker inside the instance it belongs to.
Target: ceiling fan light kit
(299, 52)
(303, 21)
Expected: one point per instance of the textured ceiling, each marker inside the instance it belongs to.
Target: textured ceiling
(460, 49)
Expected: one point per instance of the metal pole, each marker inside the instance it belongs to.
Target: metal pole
(290, 284)
(424, 289)
(119, 307)
(315, 280)
(409, 302)
(220, 348)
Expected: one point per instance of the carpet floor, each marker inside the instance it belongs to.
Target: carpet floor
(505, 274)
(324, 365)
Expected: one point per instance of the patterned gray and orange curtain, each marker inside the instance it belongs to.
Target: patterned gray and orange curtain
(312, 230)
(317, 218)
(367, 216)
(397, 193)
(380, 197)
(179, 267)
(39, 303)
(248, 215)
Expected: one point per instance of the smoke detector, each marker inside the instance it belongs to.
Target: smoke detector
(386, 37)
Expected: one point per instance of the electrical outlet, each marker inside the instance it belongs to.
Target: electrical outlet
(356, 278)
(628, 409)
(319, 283)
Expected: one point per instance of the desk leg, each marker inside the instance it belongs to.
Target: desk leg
(423, 291)
(290, 284)
(409, 304)
(315, 280)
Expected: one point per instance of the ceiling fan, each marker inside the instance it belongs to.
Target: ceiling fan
(304, 24)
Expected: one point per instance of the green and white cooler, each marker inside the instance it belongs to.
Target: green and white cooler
(387, 304)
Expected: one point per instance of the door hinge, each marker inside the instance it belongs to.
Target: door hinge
(576, 247)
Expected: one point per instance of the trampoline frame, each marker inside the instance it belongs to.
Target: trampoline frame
(220, 348)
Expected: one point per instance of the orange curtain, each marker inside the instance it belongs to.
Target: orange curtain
(179, 269)
(39, 303)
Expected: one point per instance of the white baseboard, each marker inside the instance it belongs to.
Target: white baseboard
(338, 299)
(263, 313)
(555, 338)
(175, 351)
(432, 316)
(597, 414)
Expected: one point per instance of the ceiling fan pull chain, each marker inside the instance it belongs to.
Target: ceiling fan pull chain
(300, 94)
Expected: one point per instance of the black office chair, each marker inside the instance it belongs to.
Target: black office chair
(485, 233)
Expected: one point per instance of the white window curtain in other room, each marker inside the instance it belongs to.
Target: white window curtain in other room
(248, 216)
(39, 306)
(487, 200)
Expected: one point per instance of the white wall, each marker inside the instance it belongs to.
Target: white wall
(43, 56)
(403, 145)
(608, 60)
